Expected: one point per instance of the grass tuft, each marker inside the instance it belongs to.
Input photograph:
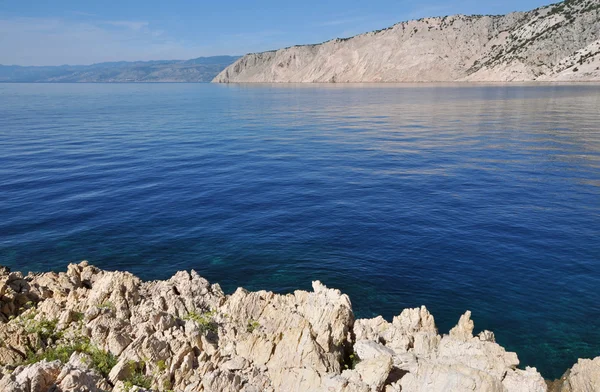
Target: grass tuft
(205, 321)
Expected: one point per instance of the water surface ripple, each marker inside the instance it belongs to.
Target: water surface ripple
(456, 197)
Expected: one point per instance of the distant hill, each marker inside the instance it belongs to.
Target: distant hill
(202, 69)
(556, 42)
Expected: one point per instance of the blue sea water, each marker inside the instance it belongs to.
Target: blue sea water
(451, 196)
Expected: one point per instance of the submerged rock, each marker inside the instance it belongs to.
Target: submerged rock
(93, 330)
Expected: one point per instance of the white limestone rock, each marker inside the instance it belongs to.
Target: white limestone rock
(185, 334)
(584, 376)
(524, 380)
(38, 377)
(555, 42)
(368, 349)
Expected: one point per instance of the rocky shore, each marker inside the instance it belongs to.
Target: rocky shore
(92, 330)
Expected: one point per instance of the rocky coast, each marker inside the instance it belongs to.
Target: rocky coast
(92, 330)
(559, 42)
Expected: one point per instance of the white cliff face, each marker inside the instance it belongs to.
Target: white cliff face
(514, 47)
(93, 330)
(581, 65)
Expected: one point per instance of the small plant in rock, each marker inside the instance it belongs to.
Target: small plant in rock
(138, 377)
(27, 316)
(351, 361)
(78, 316)
(161, 365)
(252, 325)
(101, 360)
(44, 329)
(167, 386)
(60, 353)
(107, 306)
(205, 321)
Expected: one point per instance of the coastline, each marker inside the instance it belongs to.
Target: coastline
(545, 43)
(89, 329)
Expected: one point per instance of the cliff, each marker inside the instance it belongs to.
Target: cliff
(556, 42)
(91, 330)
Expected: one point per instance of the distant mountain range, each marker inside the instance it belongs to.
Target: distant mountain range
(202, 69)
(558, 42)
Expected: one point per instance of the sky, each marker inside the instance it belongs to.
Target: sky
(56, 32)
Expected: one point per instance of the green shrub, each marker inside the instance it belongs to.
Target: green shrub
(61, 353)
(99, 359)
(44, 329)
(205, 321)
(138, 377)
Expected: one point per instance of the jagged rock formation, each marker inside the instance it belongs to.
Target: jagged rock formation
(91, 330)
(556, 42)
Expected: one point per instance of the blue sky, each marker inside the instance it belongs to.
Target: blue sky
(57, 32)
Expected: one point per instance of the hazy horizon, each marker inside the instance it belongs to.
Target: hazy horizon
(119, 61)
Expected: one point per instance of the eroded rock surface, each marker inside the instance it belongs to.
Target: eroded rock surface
(91, 330)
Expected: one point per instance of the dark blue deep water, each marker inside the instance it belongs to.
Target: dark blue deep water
(456, 197)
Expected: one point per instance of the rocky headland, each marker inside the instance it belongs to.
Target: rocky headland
(92, 330)
(558, 42)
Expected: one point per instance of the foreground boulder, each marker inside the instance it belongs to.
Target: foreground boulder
(92, 330)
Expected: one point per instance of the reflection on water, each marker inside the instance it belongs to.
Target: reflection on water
(453, 196)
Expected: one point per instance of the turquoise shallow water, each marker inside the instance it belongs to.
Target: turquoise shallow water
(456, 197)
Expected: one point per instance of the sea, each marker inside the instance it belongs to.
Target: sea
(453, 196)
